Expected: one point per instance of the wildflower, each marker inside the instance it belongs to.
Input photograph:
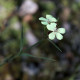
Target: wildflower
(55, 32)
(51, 24)
(48, 20)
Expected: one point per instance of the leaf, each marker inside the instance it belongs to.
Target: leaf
(54, 45)
(21, 42)
(25, 54)
(10, 58)
(34, 45)
(7, 59)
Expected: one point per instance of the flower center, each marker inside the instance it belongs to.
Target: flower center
(48, 21)
(55, 30)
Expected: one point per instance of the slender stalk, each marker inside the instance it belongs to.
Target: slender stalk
(22, 38)
(10, 58)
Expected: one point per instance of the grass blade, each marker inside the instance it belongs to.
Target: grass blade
(29, 55)
(34, 45)
(54, 45)
(21, 42)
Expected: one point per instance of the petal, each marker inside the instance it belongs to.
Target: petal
(51, 26)
(42, 18)
(61, 30)
(48, 16)
(44, 23)
(59, 36)
(53, 19)
(52, 35)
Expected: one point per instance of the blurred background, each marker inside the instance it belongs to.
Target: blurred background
(15, 14)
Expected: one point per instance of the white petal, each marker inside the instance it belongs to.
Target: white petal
(61, 30)
(42, 18)
(48, 16)
(59, 36)
(51, 26)
(53, 19)
(44, 23)
(52, 35)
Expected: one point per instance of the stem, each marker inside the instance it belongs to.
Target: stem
(22, 38)
(44, 33)
(10, 58)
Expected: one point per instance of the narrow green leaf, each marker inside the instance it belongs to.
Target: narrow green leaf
(21, 42)
(7, 59)
(54, 45)
(10, 58)
(29, 55)
(34, 45)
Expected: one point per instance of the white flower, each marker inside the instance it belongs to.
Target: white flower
(55, 32)
(51, 24)
(48, 20)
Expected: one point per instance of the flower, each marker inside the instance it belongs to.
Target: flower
(55, 32)
(48, 20)
(50, 23)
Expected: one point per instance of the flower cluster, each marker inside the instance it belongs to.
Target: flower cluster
(51, 24)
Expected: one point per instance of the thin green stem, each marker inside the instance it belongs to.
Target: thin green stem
(10, 58)
(44, 32)
(22, 38)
